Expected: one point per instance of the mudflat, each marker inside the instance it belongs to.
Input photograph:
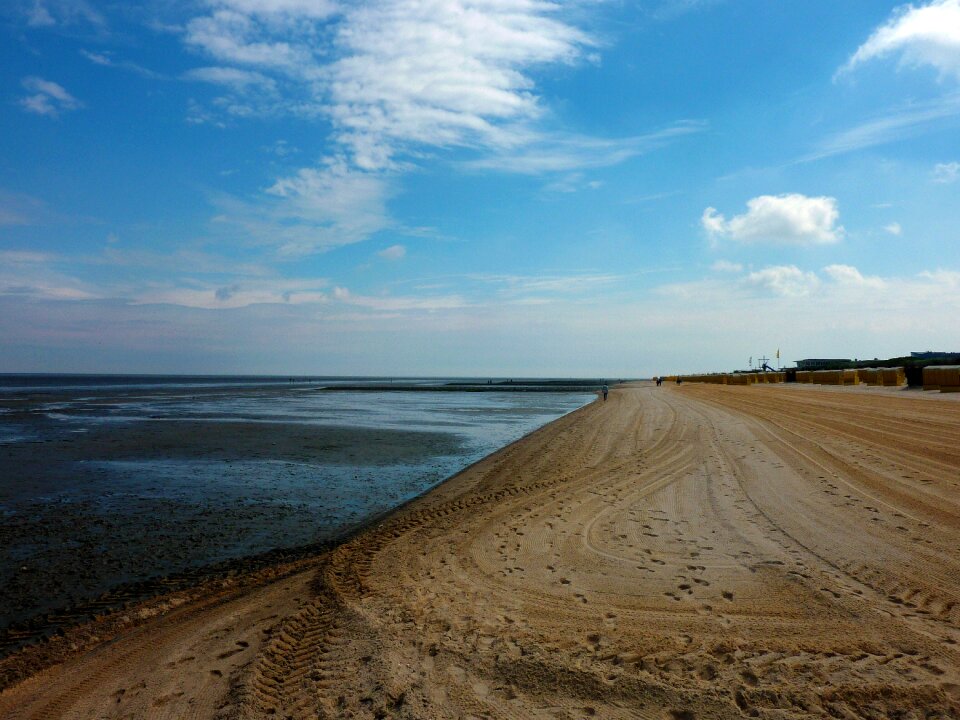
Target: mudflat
(678, 553)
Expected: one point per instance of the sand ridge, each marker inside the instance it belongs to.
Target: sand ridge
(679, 553)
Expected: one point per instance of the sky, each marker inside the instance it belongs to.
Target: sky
(476, 187)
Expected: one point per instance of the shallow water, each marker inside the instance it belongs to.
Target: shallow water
(112, 484)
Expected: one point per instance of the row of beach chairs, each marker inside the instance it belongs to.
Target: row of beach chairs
(945, 378)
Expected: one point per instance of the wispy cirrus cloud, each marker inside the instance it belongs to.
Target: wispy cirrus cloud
(899, 123)
(563, 284)
(399, 303)
(444, 74)
(59, 13)
(927, 34)
(33, 275)
(47, 98)
(231, 295)
(19, 209)
(398, 80)
(106, 59)
(551, 153)
(231, 77)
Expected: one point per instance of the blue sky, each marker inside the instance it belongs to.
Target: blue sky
(476, 187)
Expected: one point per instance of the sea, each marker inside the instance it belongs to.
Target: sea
(107, 480)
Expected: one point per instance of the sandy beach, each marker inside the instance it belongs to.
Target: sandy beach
(677, 553)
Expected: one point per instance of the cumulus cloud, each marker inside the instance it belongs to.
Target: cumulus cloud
(394, 252)
(946, 172)
(783, 280)
(791, 219)
(921, 35)
(893, 228)
(47, 98)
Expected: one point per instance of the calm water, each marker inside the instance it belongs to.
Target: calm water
(113, 479)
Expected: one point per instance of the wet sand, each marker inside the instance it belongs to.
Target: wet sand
(82, 532)
(679, 553)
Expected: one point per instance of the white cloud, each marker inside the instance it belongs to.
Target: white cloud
(388, 303)
(946, 172)
(784, 280)
(51, 13)
(314, 9)
(234, 78)
(563, 153)
(328, 206)
(791, 219)
(922, 35)
(48, 98)
(238, 294)
(16, 209)
(105, 59)
(231, 36)
(850, 276)
(538, 285)
(24, 257)
(443, 74)
(39, 16)
(28, 274)
(726, 266)
(394, 252)
(903, 122)
(893, 228)
(398, 80)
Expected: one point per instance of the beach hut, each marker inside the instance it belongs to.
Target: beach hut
(893, 377)
(828, 377)
(945, 378)
(870, 376)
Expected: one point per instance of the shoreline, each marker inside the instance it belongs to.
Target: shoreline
(679, 552)
(24, 634)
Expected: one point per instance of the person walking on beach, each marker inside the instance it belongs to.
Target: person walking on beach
(605, 390)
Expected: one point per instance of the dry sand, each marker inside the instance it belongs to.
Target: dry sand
(678, 553)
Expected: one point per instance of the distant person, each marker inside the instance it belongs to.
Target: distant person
(605, 390)
(679, 380)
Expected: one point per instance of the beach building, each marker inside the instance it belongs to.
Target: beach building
(821, 363)
(931, 355)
